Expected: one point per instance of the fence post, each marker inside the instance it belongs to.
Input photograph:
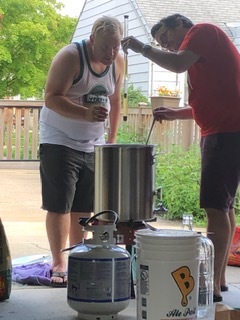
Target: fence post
(2, 131)
(187, 134)
(140, 130)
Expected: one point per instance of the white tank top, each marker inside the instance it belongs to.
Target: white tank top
(89, 87)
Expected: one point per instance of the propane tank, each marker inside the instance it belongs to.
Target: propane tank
(99, 274)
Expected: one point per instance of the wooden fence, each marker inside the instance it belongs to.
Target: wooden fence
(19, 134)
(179, 132)
(19, 129)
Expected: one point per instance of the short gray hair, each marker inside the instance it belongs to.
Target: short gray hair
(107, 24)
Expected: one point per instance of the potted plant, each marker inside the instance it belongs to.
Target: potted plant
(165, 98)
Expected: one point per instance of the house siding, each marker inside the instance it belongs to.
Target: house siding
(235, 33)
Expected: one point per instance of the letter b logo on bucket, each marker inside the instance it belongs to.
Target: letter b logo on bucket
(185, 283)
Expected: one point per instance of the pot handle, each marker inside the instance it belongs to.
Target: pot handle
(158, 193)
(160, 209)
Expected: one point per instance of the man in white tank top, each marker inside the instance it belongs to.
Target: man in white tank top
(82, 92)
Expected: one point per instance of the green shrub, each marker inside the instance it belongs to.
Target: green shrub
(237, 206)
(178, 173)
(127, 134)
(135, 96)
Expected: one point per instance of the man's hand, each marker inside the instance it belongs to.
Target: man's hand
(162, 113)
(133, 44)
(110, 140)
(96, 113)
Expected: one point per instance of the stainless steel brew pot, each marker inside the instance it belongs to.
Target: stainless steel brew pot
(125, 180)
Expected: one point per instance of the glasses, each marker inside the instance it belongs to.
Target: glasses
(163, 39)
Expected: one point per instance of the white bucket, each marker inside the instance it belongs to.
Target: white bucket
(167, 274)
(165, 236)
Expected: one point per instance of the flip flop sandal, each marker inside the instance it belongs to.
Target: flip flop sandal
(61, 275)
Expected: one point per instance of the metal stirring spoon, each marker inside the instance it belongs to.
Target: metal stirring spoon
(150, 131)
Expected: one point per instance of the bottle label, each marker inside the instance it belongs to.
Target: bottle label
(202, 296)
(99, 280)
(5, 284)
(5, 266)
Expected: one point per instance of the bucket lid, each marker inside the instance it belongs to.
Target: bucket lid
(166, 234)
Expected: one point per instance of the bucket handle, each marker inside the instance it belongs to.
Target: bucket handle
(150, 227)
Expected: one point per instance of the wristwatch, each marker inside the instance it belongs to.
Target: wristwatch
(145, 49)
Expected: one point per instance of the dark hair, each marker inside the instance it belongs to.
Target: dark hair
(171, 22)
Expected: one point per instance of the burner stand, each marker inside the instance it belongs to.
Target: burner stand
(125, 235)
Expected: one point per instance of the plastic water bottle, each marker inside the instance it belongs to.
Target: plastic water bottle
(187, 221)
(206, 310)
(205, 297)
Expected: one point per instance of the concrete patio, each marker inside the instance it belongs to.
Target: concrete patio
(24, 224)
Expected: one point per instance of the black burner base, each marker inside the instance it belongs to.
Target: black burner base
(126, 230)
